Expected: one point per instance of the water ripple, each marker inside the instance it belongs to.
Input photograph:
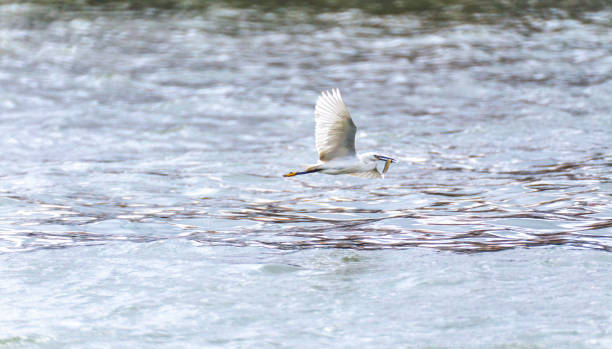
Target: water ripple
(503, 134)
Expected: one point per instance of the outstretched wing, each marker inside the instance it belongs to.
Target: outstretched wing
(367, 174)
(334, 130)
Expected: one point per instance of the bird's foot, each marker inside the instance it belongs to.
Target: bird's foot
(290, 174)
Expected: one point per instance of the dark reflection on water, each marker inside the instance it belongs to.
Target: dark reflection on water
(124, 127)
(436, 9)
(474, 223)
(453, 217)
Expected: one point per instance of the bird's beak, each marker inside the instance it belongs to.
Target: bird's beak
(384, 158)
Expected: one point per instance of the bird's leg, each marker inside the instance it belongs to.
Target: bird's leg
(291, 174)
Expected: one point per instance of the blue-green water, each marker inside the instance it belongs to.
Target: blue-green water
(142, 203)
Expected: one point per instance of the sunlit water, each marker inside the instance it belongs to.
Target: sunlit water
(142, 203)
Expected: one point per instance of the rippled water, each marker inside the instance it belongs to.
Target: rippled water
(142, 203)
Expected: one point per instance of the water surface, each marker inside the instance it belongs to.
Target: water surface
(142, 203)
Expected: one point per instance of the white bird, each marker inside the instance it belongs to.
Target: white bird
(335, 140)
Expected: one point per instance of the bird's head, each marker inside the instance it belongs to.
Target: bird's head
(373, 158)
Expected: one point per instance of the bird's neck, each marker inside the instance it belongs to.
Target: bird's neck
(367, 165)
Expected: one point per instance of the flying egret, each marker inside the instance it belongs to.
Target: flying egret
(335, 140)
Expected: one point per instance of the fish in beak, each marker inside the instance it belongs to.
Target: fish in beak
(387, 161)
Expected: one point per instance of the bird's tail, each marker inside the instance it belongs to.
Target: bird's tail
(291, 174)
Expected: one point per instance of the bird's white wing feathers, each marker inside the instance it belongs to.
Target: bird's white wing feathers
(334, 130)
(367, 174)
